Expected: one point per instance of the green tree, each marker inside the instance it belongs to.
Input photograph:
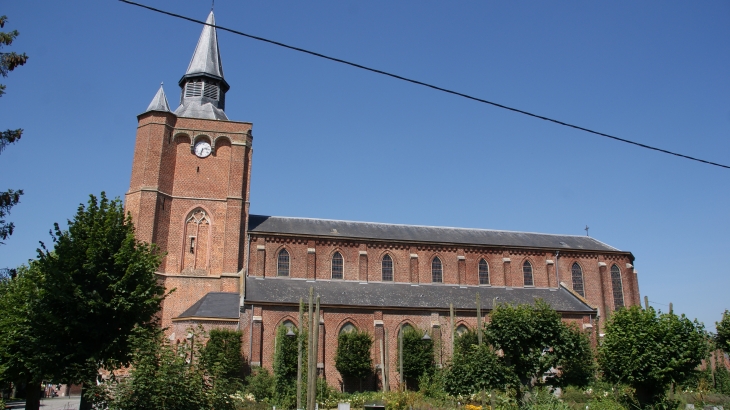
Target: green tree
(650, 351)
(417, 355)
(723, 332)
(99, 286)
(353, 357)
(223, 362)
(285, 366)
(222, 354)
(25, 357)
(261, 384)
(162, 377)
(575, 357)
(8, 62)
(474, 368)
(527, 335)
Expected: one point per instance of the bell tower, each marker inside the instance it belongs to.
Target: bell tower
(189, 190)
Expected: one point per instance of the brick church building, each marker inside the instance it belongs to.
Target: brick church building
(189, 194)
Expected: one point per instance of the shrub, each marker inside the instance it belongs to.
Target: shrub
(353, 358)
(285, 368)
(542, 399)
(260, 384)
(417, 355)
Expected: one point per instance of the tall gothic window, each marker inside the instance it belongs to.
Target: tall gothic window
(483, 272)
(282, 263)
(577, 279)
(387, 268)
(527, 272)
(618, 289)
(337, 266)
(437, 270)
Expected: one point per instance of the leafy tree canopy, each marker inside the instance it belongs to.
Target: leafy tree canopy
(8, 62)
(723, 332)
(222, 354)
(525, 334)
(24, 356)
(353, 358)
(649, 351)
(576, 358)
(99, 285)
(475, 368)
(417, 354)
(285, 366)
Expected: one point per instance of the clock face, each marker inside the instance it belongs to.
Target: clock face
(202, 149)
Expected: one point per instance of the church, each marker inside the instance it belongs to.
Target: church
(189, 194)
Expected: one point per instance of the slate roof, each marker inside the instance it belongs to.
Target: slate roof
(415, 233)
(404, 295)
(159, 102)
(214, 305)
(194, 109)
(207, 58)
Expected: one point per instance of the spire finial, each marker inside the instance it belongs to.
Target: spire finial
(212, 6)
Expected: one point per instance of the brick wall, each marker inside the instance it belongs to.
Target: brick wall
(312, 258)
(376, 322)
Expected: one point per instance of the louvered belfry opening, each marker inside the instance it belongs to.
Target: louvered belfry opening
(204, 89)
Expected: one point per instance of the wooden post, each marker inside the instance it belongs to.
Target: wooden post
(309, 350)
(315, 357)
(382, 364)
(386, 364)
(646, 302)
(671, 308)
(299, 353)
(400, 359)
(479, 320)
(453, 331)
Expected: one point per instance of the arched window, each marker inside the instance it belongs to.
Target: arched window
(461, 329)
(577, 279)
(483, 272)
(348, 327)
(437, 270)
(406, 327)
(282, 263)
(618, 289)
(527, 272)
(337, 266)
(387, 268)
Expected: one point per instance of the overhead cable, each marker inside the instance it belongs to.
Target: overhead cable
(396, 76)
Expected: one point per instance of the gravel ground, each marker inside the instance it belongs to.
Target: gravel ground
(56, 403)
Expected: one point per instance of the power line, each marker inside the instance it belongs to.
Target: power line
(396, 76)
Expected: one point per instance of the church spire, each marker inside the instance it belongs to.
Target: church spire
(203, 86)
(159, 102)
(207, 58)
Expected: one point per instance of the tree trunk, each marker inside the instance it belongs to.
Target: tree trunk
(33, 395)
(85, 403)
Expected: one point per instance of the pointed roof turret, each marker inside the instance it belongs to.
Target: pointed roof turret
(159, 102)
(206, 58)
(203, 86)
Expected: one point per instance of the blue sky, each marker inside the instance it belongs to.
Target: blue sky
(331, 141)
